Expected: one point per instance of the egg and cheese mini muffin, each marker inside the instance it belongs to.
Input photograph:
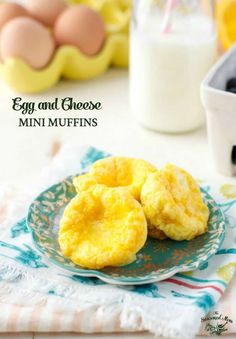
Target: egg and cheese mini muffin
(118, 171)
(102, 227)
(172, 203)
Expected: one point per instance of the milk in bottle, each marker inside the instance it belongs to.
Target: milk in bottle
(167, 64)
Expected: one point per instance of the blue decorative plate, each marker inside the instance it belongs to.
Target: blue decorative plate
(157, 260)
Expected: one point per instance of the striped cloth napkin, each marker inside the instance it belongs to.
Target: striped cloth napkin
(35, 295)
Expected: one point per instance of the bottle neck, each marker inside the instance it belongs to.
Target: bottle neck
(179, 6)
(171, 11)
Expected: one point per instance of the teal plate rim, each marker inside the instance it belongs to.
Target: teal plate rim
(158, 275)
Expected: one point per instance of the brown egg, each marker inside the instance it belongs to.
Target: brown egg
(82, 27)
(46, 11)
(9, 11)
(27, 39)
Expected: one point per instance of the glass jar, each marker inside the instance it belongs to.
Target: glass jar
(172, 46)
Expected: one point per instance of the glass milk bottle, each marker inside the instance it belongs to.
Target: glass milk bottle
(173, 45)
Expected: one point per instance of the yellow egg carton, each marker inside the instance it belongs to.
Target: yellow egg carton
(68, 62)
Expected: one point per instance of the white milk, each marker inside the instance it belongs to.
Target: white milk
(166, 71)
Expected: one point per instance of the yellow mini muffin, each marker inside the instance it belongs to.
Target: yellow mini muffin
(115, 172)
(172, 203)
(86, 181)
(102, 227)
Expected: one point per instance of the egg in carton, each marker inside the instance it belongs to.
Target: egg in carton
(116, 13)
(68, 61)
